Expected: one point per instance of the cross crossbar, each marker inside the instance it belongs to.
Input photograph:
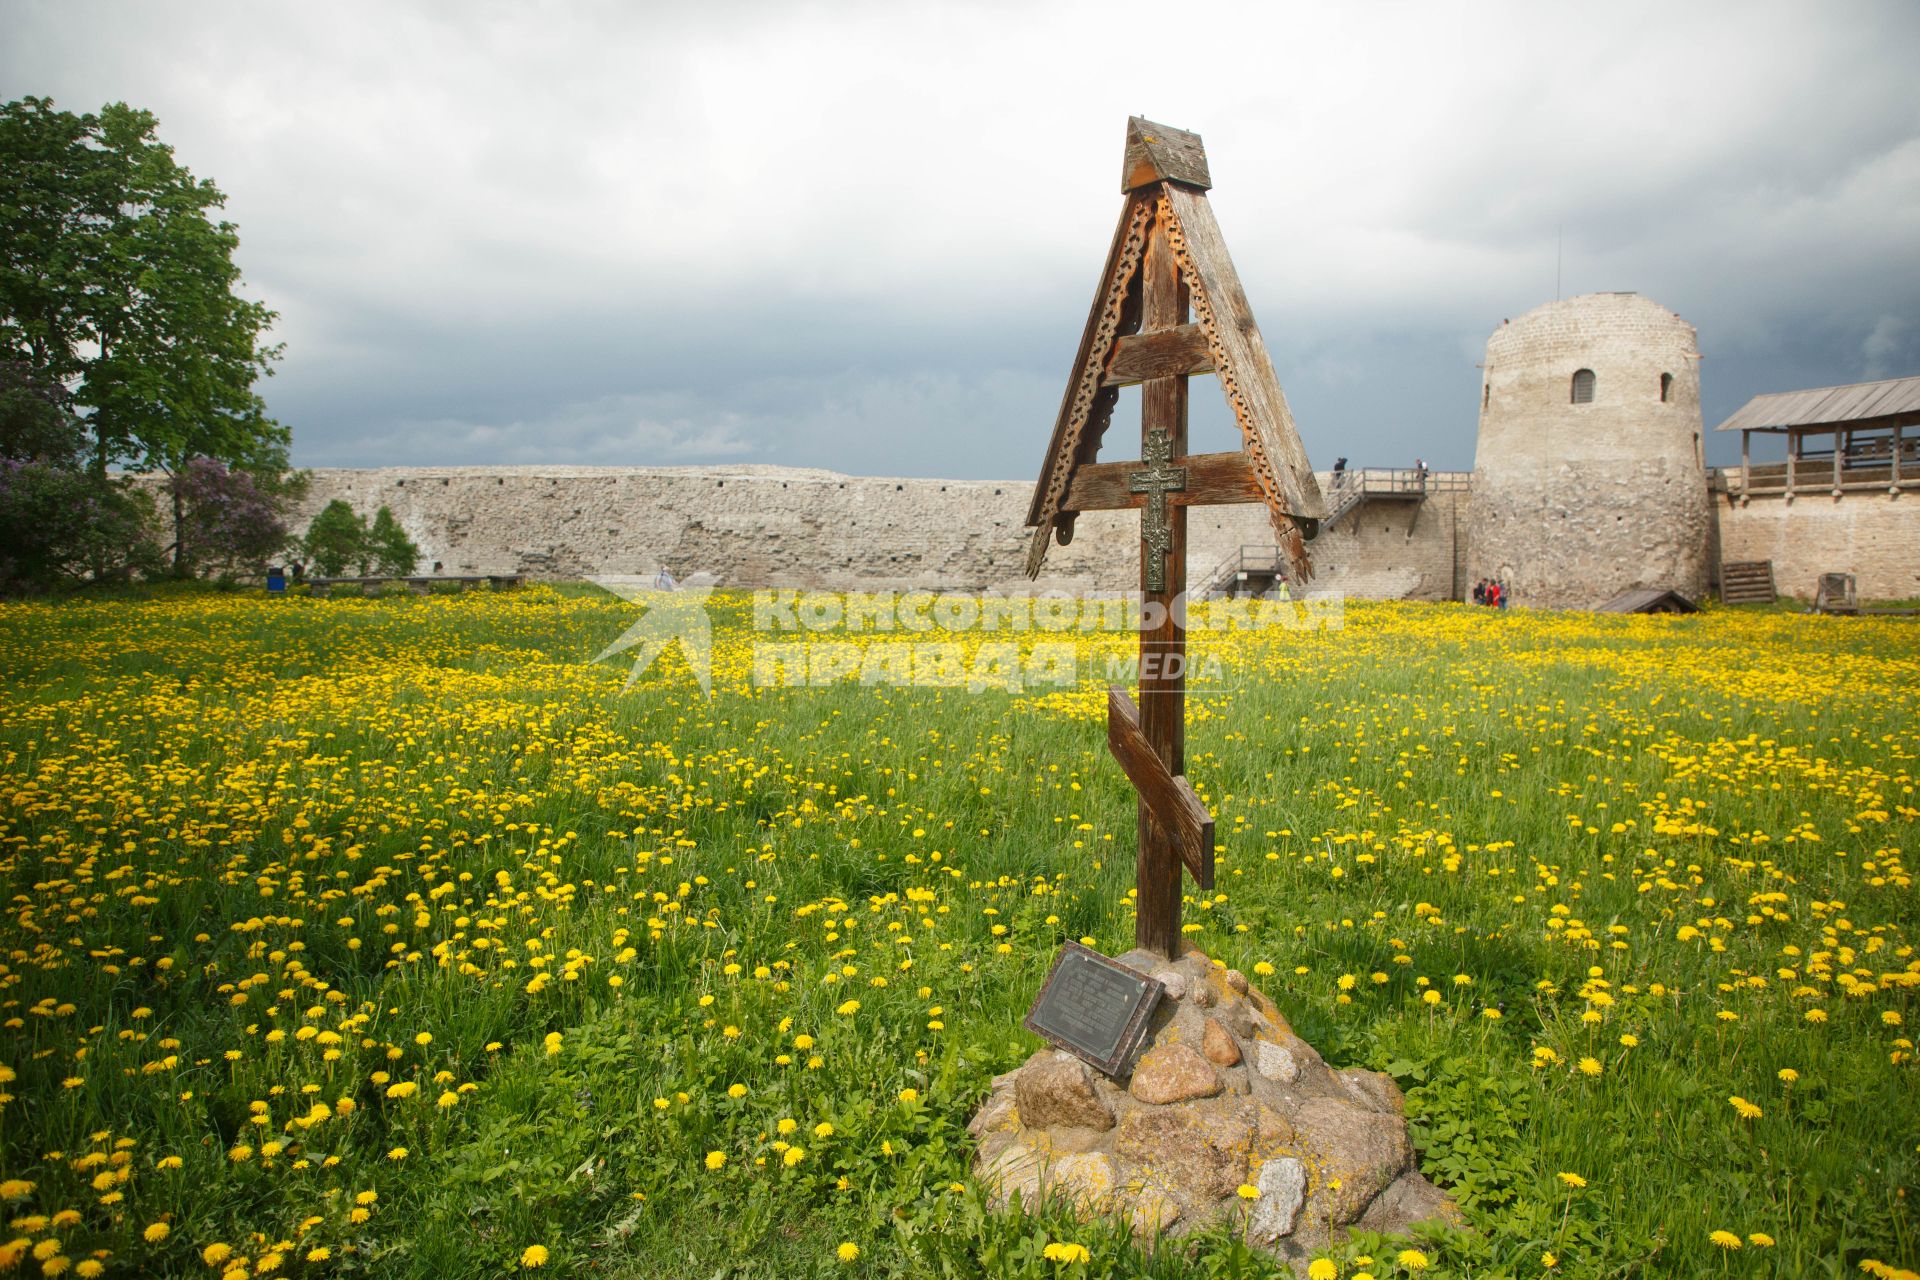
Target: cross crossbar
(1169, 797)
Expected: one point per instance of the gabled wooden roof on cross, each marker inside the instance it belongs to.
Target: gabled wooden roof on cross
(1165, 179)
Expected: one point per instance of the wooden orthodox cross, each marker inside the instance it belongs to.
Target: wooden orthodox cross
(1167, 259)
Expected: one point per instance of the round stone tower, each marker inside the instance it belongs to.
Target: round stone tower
(1589, 478)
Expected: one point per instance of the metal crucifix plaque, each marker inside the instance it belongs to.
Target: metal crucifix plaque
(1094, 1008)
(1157, 481)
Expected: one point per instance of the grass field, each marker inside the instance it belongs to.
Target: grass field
(395, 937)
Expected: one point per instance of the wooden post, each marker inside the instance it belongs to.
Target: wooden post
(1894, 475)
(1746, 461)
(1163, 648)
(1793, 454)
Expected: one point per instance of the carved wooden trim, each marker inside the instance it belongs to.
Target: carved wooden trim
(1087, 399)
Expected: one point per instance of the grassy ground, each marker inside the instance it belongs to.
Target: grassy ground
(393, 936)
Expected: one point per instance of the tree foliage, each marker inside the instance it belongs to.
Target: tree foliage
(337, 538)
(393, 551)
(230, 521)
(60, 522)
(117, 282)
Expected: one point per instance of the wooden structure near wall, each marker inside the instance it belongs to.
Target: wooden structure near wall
(1860, 438)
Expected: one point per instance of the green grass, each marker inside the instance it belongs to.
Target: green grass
(311, 804)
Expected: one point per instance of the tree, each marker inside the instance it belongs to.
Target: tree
(226, 520)
(394, 553)
(337, 538)
(59, 521)
(118, 284)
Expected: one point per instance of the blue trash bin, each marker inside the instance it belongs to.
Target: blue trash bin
(276, 580)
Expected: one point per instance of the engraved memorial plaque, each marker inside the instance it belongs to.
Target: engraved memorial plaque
(1094, 1008)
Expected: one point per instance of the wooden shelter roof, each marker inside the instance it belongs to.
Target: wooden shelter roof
(1649, 600)
(1862, 404)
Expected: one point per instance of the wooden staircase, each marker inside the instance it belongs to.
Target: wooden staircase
(1747, 582)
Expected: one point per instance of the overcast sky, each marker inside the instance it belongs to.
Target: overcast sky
(865, 235)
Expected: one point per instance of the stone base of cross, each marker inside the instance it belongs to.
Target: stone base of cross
(1168, 261)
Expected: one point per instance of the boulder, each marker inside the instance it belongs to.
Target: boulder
(1376, 1091)
(1282, 1185)
(1086, 1179)
(1275, 1062)
(1172, 1073)
(1219, 1045)
(1195, 1153)
(1409, 1199)
(1361, 1154)
(1014, 1172)
(1224, 1094)
(1153, 1212)
(1055, 1088)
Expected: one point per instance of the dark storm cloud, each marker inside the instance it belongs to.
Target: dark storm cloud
(864, 236)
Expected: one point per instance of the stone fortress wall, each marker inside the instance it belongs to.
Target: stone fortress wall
(756, 526)
(1874, 536)
(1571, 504)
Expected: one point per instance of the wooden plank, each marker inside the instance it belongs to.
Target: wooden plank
(1169, 798)
(1168, 353)
(1243, 365)
(1213, 479)
(1156, 153)
(1064, 425)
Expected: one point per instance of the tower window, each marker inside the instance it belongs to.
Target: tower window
(1486, 395)
(1583, 386)
(1666, 386)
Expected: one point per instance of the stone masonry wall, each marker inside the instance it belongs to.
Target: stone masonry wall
(1575, 503)
(1874, 536)
(776, 526)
